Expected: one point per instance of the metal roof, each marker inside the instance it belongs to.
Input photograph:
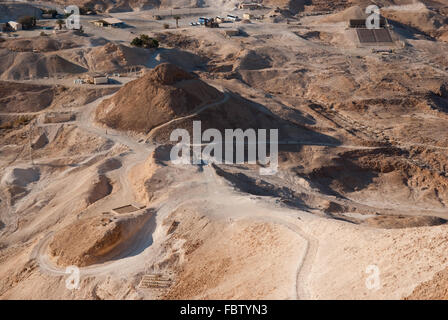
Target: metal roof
(112, 20)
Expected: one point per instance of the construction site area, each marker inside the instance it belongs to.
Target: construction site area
(87, 179)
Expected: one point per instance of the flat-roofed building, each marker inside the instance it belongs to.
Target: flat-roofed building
(109, 22)
(96, 78)
(250, 6)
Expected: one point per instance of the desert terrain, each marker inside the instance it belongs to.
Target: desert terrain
(86, 177)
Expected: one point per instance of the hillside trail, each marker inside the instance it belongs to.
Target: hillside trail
(195, 113)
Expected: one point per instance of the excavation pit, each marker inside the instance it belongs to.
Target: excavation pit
(125, 209)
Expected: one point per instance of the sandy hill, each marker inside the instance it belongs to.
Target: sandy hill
(109, 58)
(355, 12)
(41, 44)
(124, 5)
(13, 11)
(23, 65)
(24, 97)
(161, 95)
(293, 5)
(66, 53)
(168, 98)
(129, 5)
(18, 97)
(418, 17)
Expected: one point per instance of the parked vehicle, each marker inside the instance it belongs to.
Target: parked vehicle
(203, 20)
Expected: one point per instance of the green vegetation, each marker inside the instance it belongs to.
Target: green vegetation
(144, 41)
(27, 22)
(177, 18)
(60, 22)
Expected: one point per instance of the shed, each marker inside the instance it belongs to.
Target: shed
(96, 78)
(361, 23)
(109, 22)
(15, 25)
(250, 6)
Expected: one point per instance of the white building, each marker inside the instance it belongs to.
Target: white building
(15, 25)
(100, 80)
(109, 22)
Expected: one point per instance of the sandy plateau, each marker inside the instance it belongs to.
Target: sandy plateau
(86, 178)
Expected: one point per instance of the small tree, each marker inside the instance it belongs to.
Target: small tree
(137, 42)
(53, 13)
(60, 22)
(177, 18)
(154, 43)
(27, 22)
(144, 41)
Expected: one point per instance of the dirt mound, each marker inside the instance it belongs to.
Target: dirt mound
(354, 12)
(21, 176)
(169, 74)
(13, 11)
(68, 141)
(18, 97)
(22, 97)
(40, 44)
(184, 59)
(112, 58)
(163, 94)
(293, 5)
(95, 240)
(433, 289)
(24, 65)
(129, 5)
(177, 40)
(424, 20)
(253, 60)
(16, 181)
(109, 165)
(385, 176)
